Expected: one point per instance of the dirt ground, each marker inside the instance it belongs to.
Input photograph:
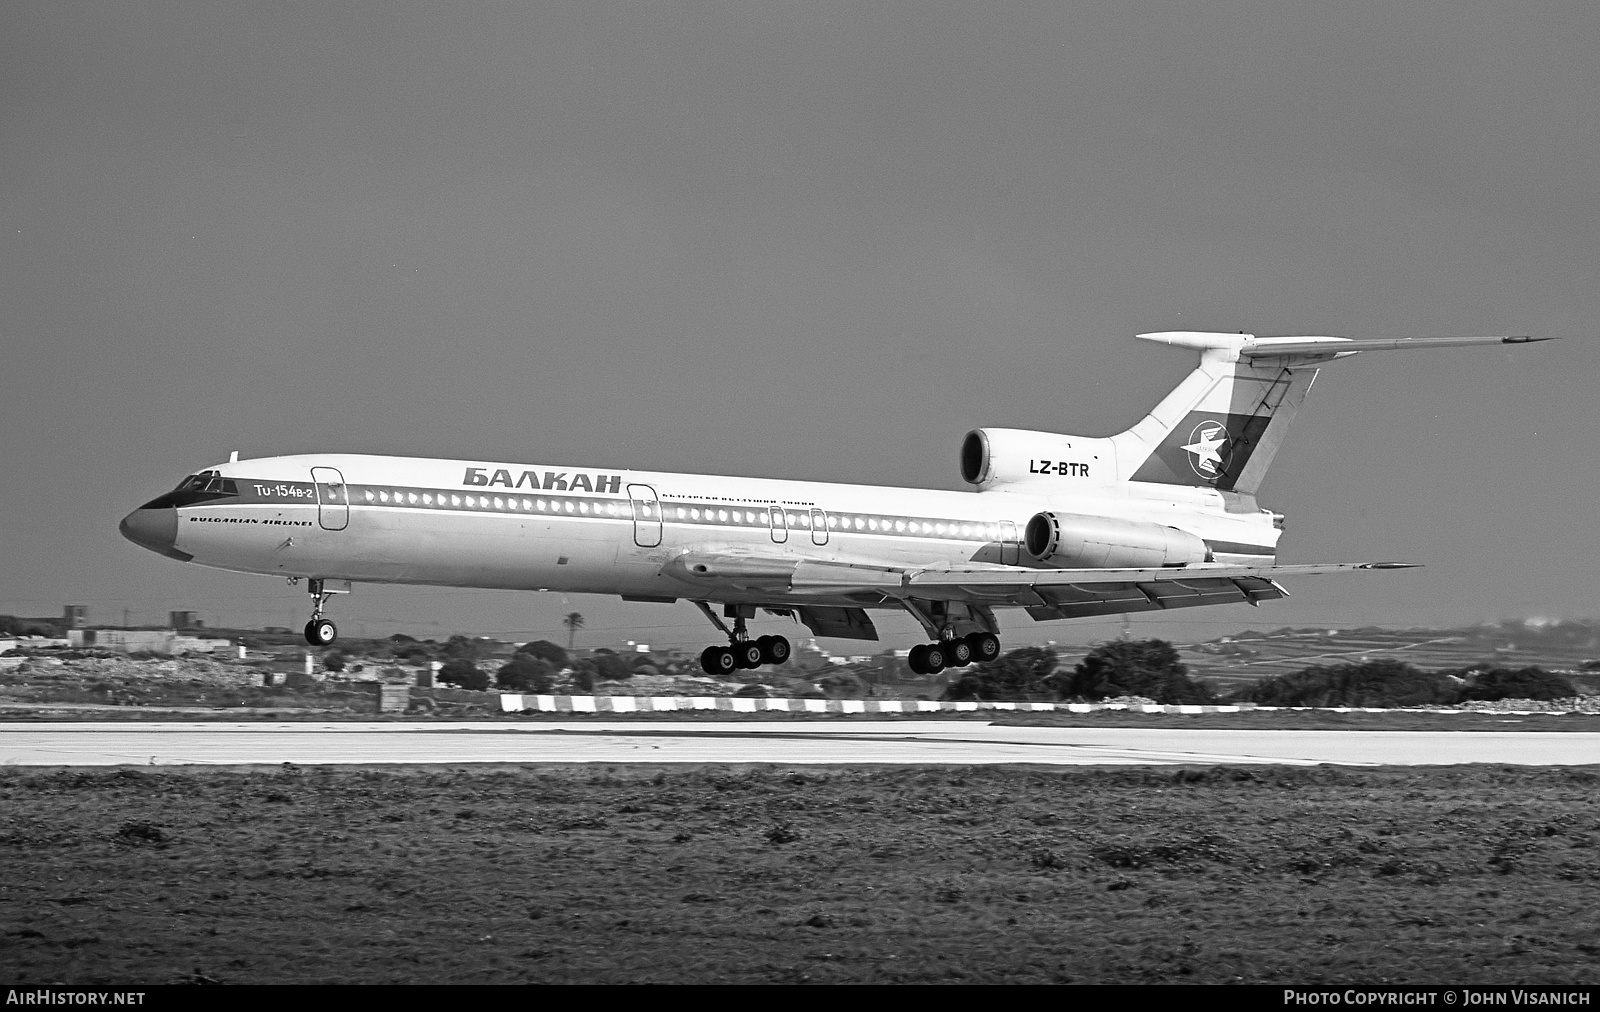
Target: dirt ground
(763, 874)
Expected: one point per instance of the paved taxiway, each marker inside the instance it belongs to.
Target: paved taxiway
(855, 742)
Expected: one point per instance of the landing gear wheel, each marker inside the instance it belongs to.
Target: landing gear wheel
(917, 660)
(321, 632)
(985, 647)
(957, 653)
(774, 649)
(933, 655)
(719, 661)
(748, 654)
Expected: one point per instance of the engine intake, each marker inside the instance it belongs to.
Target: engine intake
(1072, 541)
(991, 457)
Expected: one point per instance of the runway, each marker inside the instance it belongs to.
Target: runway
(855, 743)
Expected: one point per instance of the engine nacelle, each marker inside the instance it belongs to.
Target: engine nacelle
(1082, 542)
(991, 457)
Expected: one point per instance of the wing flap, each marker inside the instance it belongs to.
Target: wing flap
(841, 623)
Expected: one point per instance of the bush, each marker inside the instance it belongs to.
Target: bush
(1523, 683)
(525, 673)
(583, 675)
(333, 661)
(608, 667)
(1381, 683)
(462, 648)
(463, 674)
(1148, 668)
(843, 685)
(758, 691)
(416, 652)
(1018, 676)
(545, 651)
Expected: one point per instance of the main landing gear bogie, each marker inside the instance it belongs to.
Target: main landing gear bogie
(744, 653)
(958, 652)
(741, 651)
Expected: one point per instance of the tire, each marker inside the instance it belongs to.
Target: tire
(934, 657)
(749, 654)
(321, 632)
(723, 661)
(957, 653)
(774, 649)
(708, 662)
(917, 661)
(985, 647)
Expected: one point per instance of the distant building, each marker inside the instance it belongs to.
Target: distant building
(155, 641)
(75, 616)
(184, 620)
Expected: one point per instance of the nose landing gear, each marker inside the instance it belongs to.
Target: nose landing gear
(320, 631)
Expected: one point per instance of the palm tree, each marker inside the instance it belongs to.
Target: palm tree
(573, 622)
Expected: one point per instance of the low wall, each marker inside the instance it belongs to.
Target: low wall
(514, 703)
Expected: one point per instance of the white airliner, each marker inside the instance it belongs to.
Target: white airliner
(1161, 516)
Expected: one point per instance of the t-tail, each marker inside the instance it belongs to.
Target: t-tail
(1222, 426)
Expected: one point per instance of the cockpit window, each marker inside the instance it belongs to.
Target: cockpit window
(196, 488)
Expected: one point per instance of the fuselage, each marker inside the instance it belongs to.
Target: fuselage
(464, 523)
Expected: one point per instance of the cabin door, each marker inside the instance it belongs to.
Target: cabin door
(819, 527)
(646, 515)
(333, 499)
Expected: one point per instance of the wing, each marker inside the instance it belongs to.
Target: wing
(1076, 593)
(1044, 593)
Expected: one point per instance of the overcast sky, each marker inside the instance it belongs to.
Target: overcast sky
(814, 240)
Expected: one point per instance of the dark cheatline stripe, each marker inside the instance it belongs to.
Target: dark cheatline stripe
(556, 503)
(1234, 548)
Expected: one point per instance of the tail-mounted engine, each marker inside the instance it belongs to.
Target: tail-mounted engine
(1072, 541)
(991, 457)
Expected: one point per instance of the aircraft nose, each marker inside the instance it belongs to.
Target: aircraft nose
(155, 529)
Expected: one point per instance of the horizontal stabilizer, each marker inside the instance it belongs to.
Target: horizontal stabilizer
(1278, 347)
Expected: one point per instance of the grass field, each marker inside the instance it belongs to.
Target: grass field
(637, 873)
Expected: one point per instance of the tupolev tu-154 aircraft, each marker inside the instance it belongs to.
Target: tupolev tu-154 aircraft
(1161, 516)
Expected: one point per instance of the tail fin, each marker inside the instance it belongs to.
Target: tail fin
(1221, 426)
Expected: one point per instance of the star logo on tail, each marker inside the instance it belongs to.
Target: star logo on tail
(1209, 449)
